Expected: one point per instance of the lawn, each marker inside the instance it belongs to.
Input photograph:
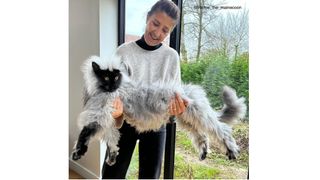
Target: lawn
(215, 166)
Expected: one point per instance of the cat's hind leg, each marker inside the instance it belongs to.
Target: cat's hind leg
(207, 122)
(112, 137)
(199, 140)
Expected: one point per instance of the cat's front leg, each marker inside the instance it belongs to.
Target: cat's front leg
(82, 144)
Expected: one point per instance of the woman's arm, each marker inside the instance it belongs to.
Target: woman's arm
(177, 104)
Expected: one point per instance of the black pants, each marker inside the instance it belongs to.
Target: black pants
(151, 147)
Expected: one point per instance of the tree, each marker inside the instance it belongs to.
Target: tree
(229, 35)
(197, 16)
(206, 27)
(183, 50)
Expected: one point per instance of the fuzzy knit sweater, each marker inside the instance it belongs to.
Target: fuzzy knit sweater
(143, 65)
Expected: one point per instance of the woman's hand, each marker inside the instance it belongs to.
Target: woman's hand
(118, 106)
(118, 113)
(177, 105)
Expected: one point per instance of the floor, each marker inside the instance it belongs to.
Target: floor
(74, 175)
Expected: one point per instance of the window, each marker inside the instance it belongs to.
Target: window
(135, 19)
(214, 52)
(131, 25)
(136, 14)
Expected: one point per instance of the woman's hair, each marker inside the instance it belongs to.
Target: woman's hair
(167, 6)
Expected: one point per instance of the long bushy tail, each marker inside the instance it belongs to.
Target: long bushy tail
(234, 107)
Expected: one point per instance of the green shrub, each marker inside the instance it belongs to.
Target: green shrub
(239, 75)
(215, 77)
(193, 72)
(213, 71)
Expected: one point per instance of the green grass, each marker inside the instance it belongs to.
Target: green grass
(241, 134)
(216, 165)
(183, 141)
(134, 164)
(184, 169)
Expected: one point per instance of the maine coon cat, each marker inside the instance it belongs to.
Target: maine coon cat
(146, 109)
(96, 119)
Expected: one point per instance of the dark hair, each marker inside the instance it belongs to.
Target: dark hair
(167, 6)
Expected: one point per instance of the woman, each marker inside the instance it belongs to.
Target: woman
(148, 60)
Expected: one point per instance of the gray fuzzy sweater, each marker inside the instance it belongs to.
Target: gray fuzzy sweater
(145, 66)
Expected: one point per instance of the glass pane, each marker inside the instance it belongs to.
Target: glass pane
(214, 52)
(214, 25)
(136, 15)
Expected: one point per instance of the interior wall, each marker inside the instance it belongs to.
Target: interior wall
(92, 31)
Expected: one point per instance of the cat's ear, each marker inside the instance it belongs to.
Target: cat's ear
(95, 66)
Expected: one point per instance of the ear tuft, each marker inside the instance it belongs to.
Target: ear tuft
(95, 66)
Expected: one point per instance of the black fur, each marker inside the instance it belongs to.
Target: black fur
(82, 145)
(109, 81)
(230, 155)
(204, 153)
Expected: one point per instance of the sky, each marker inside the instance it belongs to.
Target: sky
(137, 11)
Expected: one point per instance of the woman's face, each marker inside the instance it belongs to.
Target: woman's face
(159, 26)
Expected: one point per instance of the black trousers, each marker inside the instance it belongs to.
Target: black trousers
(151, 148)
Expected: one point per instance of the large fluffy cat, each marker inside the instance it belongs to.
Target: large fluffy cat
(146, 108)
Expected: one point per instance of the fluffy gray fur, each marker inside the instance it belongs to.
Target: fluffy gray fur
(146, 109)
(98, 107)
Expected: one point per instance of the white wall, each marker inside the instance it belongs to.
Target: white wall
(92, 31)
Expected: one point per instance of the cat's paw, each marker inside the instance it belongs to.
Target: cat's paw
(112, 156)
(79, 151)
(203, 153)
(232, 154)
(75, 156)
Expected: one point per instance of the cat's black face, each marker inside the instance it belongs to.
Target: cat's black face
(109, 81)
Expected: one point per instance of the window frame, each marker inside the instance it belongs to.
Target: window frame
(175, 36)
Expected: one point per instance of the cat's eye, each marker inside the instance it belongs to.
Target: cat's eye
(106, 78)
(116, 78)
